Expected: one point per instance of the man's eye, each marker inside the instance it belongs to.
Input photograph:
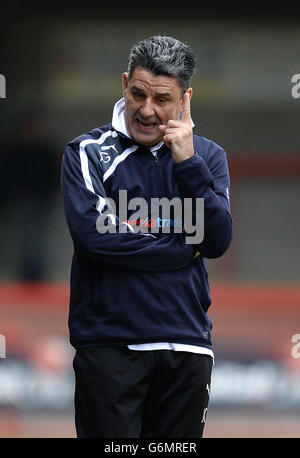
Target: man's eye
(162, 101)
(137, 95)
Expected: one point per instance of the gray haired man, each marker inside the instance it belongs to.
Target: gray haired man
(138, 307)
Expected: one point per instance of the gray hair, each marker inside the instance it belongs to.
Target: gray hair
(162, 55)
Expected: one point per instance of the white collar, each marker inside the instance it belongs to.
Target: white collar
(118, 118)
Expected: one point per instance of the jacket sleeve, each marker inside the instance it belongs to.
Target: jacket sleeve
(122, 248)
(195, 179)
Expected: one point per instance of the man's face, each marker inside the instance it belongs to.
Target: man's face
(149, 102)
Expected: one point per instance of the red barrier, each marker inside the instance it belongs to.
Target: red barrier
(241, 297)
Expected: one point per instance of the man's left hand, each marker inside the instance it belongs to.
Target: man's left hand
(178, 135)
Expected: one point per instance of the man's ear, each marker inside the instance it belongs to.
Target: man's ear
(125, 82)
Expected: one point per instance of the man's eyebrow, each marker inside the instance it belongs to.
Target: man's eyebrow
(157, 94)
(163, 94)
(135, 88)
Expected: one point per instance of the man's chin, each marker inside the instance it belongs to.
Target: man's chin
(143, 140)
(146, 139)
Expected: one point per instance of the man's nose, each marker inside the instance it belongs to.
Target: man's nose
(147, 108)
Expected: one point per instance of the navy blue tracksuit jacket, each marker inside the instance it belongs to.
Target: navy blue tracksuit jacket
(127, 287)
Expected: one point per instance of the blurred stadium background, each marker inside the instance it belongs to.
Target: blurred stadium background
(63, 74)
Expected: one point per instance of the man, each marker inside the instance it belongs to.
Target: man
(138, 306)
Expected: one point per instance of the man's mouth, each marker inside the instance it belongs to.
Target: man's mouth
(146, 126)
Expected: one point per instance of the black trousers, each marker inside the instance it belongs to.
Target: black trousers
(128, 393)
